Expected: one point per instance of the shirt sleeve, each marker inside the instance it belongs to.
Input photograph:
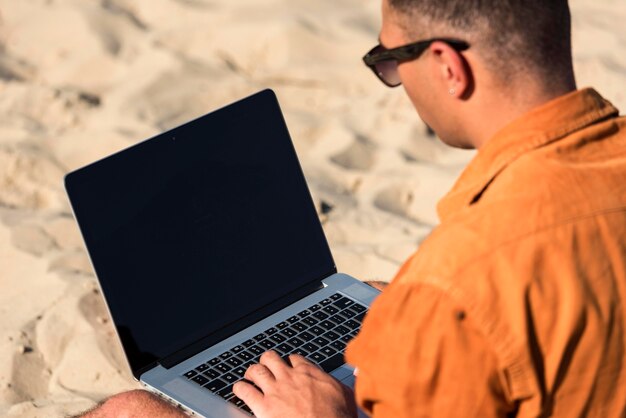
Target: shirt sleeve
(419, 355)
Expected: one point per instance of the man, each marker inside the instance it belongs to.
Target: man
(516, 304)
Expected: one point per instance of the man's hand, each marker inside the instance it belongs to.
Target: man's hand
(301, 390)
(377, 284)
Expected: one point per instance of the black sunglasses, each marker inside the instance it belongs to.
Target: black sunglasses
(384, 62)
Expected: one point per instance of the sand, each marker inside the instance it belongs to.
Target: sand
(80, 79)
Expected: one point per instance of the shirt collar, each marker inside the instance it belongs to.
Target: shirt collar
(543, 125)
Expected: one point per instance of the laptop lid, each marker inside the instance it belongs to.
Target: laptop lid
(200, 231)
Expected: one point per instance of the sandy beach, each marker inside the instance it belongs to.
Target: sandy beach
(80, 79)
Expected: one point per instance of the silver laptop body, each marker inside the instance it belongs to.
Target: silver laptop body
(207, 248)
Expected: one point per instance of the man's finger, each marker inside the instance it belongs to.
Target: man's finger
(252, 396)
(298, 360)
(275, 364)
(260, 375)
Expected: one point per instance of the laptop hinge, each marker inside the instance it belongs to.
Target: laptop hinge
(239, 325)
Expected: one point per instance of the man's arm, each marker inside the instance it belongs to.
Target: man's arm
(420, 353)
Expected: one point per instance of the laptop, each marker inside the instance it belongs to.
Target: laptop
(209, 251)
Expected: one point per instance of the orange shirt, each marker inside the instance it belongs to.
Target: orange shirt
(516, 303)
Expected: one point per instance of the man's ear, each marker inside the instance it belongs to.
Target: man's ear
(452, 71)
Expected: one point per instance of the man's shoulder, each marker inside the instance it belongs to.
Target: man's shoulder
(565, 183)
(536, 206)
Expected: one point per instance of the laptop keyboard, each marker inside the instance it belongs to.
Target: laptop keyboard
(319, 333)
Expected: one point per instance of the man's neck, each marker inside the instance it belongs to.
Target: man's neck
(504, 106)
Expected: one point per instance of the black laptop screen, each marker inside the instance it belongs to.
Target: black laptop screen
(199, 227)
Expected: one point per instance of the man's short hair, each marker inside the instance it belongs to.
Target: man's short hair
(511, 35)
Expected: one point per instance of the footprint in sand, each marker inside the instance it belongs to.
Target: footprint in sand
(29, 179)
(72, 263)
(28, 361)
(15, 69)
(360, 155)
(124, 10)
(400, 200)
(395, 199)
(32, 239)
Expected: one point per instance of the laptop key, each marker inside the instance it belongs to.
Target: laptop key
(332, 363)
(215, 385)
(300, 351)
(190, 374)
(279, 338)
(330, 310)
(213, 361)
(304, 313)
(201, 380)
(331, 335)
(352, 324)
(326, 302)
(271, 331)
(336, 296)
(249, 343)
(309, 321)
(320, 315)
(289, 332)
(239, 371)
(226, 393)
(296, 342)
(211, 374)
(260, 337)
(246, 408)
(223, 367)
(234, 361)
(315, 308)
(342, 303)
(284, 348)
(341, 330)
(282, 325)
(237, 349)
(358, 308)
(347, 313)
(246, 355)
(317, 357)
(256, 350)
(338, 345)
(267, 344)
(360, 317)
(328, 324)
(293, 319)
(229, 378)
(320, 341)
(317, 330)
(328, 351)
(299, 326)
(226, 355)
(310, 347)
(202, 367)
(347, 338)
(306, 336)
(337, 319)
(236, 401)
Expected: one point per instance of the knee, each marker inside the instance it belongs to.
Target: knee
(135, 403)
(130, 399)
